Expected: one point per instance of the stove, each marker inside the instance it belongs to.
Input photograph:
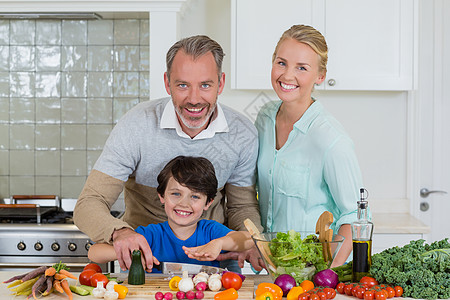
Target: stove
(33, 235)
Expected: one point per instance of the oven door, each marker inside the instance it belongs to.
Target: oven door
(27, 263)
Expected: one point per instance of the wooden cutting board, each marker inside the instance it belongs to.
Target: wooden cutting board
(155, 284)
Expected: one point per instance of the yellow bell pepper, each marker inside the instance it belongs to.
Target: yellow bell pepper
(173, 283)
(294, 293)
(265, 296)
(276, 291)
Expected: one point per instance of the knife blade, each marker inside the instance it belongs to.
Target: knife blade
(178, 268)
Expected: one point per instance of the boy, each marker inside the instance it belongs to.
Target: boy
(186, 188)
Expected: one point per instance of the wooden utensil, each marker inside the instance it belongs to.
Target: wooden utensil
(325, 234)
(262, 246)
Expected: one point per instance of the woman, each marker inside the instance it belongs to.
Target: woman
(307, 164)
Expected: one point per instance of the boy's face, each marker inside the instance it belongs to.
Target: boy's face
(183, 206)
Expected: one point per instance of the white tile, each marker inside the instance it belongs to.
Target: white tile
(4, 84)
(22, 84)
(71, 186)
(48, 163)
(4, 32)
(73, 110)
(48, 84)
(73, 163)
(21, 162)
(22, 110)
(73, 137)
(21, 137)
(48, 185)
(4, 58)
(121, 106)
(144, 62)
(92, 156)
(144, 33)
(100, 84)
(97, 136)
(22, 32)
(21, 185)
(74, 84)
(74, 58)
(4, 162)
(126, 58)
(74, 32)
(4, 110)
(99, 111)
(126, 32)
(144, 84)
(48, 58)
(100, 58)
(100, 32)
(48, 32)
(22, 58)
(48, 110)
(48, 137)
(4, 137)
(126, 84)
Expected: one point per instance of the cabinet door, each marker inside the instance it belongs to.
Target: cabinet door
(370, 44)
(257, 26)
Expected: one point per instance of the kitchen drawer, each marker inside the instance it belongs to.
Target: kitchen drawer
(383, 241)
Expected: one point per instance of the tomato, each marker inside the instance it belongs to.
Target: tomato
(322, 295)
(369, 295)
(391, 292)
(85, 277)
(314, 297)
(370, 281)
(99, 277)
(398, 291)
(303, 296)
(360, 292)
(340, 288)
(231, 280)
(348, 289)
(380, 295)
(330, 293)
(94, 267)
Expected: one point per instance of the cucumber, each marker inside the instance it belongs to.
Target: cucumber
(136, 274)
(82, 290)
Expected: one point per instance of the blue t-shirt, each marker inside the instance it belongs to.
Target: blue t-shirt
(166, 247)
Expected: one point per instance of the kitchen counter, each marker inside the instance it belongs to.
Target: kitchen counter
(5, 294)
(398, 223)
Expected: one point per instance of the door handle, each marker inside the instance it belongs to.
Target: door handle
(424, 192)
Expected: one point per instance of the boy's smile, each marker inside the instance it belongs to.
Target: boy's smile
(184, 208)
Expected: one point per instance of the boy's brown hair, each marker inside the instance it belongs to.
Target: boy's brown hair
(195, 173)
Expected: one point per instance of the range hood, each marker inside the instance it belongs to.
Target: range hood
(49, 15)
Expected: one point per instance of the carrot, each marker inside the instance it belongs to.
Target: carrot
(34, 273)
(49, 286)
(67, 273)
(17, 277)
(66, 288)
(60, 276)
(50, 271)
(37, 285)
(57, 286)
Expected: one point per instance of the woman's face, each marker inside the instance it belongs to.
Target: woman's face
(295, 70)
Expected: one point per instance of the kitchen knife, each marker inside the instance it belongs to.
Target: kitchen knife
(178, 268)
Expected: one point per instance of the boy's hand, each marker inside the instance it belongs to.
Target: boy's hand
(207, 252)
(126, 240)
(252, 256)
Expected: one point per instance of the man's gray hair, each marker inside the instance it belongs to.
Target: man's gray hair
(196, 46)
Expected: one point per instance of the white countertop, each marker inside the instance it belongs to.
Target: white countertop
(398, 223)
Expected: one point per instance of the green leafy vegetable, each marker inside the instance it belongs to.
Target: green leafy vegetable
(422, 270)
(60, 266)
(344, 272)
(301, 258)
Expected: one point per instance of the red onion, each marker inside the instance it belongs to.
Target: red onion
(286, 282)
(327, 278)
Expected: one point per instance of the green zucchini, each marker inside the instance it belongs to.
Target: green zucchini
(136, 274)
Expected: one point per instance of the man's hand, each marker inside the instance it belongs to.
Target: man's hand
(252, 256)
(126, 240)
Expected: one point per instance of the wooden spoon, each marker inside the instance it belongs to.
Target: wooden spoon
(325, 234)
(262, 246)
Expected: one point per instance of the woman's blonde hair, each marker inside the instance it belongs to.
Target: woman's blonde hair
(310, 36)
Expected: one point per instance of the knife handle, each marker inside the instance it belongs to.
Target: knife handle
(158, 267)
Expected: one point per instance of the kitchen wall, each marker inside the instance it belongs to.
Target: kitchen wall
(377, 121)
(63, 86)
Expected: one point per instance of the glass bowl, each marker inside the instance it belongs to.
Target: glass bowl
(299, 254)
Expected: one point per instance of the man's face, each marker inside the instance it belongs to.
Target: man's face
(194, 87)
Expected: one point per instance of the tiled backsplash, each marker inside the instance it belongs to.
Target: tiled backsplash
(63, 86)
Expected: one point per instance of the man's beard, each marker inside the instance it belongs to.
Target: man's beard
(188, 122)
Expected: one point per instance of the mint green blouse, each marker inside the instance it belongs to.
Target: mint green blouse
(315, 170)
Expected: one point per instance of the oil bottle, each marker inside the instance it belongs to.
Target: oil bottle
(362, 231)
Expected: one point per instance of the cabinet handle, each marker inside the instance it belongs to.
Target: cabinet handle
(424, 193)
(331, 82)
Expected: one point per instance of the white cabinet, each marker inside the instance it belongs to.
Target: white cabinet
(371, 43)
(382, 241)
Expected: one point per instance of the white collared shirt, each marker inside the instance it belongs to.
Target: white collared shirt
(169, 119)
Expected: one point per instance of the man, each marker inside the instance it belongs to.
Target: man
(154, 132)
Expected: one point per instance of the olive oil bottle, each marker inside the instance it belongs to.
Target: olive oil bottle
(362, 231)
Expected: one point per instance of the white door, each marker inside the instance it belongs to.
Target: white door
(433, 120)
